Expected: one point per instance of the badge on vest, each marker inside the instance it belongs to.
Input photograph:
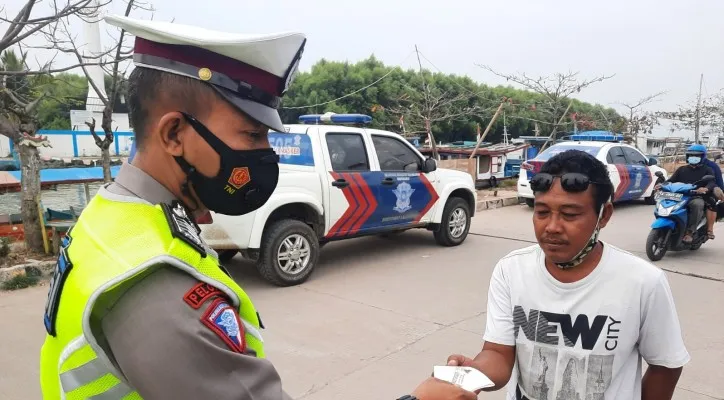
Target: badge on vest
(198, 294)
(60, 274)
(183, 227)
(224, 321)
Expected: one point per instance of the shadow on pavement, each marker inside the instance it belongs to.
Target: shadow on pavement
(336, 256)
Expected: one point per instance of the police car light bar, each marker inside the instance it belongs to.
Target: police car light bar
(597, 136)
(335, 118)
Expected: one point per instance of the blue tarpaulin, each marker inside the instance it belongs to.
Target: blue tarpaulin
(59, 175)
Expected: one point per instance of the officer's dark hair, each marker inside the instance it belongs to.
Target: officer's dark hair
(149, 87)
(586, 164)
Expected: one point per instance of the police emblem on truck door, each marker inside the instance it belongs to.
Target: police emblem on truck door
(403, 192)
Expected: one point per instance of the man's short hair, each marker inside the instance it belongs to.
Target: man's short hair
(586, 164)
(148, 88)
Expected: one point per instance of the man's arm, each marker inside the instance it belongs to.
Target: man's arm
(711, 185)
(659, 382)
(165, 350)
(497, 358)
(661, 343)
(717, 173)
(496, 361)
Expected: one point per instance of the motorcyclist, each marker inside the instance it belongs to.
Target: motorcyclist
(718, 196)
(691, 173)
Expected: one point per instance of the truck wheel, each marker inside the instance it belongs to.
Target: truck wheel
(656, 245)
(455, 223)
(530, 202)
(289, 252)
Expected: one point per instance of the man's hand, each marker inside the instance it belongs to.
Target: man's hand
(457, 360)
(435, 389)
(658, 186)
(702, 190)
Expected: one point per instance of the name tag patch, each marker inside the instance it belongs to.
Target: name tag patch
(198, 294)
(224, 321)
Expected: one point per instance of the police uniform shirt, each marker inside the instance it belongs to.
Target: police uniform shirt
(158, 341)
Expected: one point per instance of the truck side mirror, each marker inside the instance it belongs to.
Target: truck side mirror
(429, 165)
(653, 161)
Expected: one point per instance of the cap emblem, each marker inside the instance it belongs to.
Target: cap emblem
(205, 74)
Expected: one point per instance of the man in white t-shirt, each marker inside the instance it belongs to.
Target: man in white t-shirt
(571, 317)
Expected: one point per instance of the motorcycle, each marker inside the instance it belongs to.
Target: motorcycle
(672, 214)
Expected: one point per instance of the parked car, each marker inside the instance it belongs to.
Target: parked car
(339, 182)
(632, 174)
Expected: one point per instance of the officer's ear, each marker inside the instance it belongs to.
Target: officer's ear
(172, 127)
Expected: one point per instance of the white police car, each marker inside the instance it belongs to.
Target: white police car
(340, 180)
(632, 174)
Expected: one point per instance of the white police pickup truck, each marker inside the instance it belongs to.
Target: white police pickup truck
(339, 182)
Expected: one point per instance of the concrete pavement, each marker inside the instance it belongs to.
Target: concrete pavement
(379, 313)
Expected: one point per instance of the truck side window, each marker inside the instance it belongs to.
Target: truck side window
(615, 156)
(394, 155)
(347, 152)
(634, 157)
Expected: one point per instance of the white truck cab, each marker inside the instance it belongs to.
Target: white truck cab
(339, 182)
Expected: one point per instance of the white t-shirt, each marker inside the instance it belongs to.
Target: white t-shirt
(583, 340)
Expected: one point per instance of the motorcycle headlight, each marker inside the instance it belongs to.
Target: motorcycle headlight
(664, 211)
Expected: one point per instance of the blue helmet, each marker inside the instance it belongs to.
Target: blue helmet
(698, 149)
(696, 154)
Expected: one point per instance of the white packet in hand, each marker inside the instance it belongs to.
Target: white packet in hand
(467, 378)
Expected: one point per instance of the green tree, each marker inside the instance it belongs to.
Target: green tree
(335, 87)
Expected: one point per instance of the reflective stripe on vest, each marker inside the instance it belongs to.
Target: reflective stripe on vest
(126, 237)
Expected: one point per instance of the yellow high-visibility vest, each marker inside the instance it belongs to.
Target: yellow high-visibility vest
(115, 242)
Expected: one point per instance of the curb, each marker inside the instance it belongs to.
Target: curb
(492, 204)
(31, 268)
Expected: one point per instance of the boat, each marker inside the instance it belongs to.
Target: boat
(49, 178)
(11, 225)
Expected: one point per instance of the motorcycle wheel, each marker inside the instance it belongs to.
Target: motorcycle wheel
(655, 246)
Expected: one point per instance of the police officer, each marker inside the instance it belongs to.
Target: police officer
(139, 306)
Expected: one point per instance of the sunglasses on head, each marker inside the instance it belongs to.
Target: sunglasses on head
(570, 182)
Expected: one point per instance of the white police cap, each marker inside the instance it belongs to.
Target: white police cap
(250, 71)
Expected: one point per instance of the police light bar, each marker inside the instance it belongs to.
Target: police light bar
(335, 118)
(597, 136)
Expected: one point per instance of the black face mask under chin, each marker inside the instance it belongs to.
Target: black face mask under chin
(245, 181)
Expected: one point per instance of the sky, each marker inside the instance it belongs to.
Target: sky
(650, 45)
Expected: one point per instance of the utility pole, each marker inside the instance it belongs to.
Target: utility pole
(505, 130)
(428, 124)
(698, 111)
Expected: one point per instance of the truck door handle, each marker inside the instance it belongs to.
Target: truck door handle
(340, 183)
(388, 181)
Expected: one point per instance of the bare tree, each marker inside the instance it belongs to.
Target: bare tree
(19, 98)
(421, 109)
(17, 121)
(708, 112)
(640, 121)
(555, 91)
(113, 63)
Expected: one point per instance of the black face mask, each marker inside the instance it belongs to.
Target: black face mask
(246, 178)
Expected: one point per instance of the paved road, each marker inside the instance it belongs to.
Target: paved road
(378, 313)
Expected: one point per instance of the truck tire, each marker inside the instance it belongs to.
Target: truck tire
(530, 202)
(455, 223)
(289, 252)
